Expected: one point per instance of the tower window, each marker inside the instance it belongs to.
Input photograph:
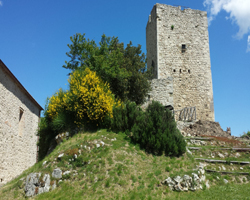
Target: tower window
(21, 121)
(189, 71)
(183, 48)
(180, 70)
(174, 70)
(20, 113)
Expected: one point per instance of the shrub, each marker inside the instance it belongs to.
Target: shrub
(88, 103)
(125, 116)
(156, 131)
(89, 98)
(46, 135)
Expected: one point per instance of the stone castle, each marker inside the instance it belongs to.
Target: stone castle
(178, 54)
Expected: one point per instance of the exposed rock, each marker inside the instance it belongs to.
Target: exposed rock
(32, 184)
(207, 184)
(237, 155)
(35, 185)
(45, 184)
(44, 163)
(206, 128)
(53, 186)
(186, 183)
(66, 172)
(60, 156)
(102, 143)
(221, 155)
(57, 173)
(225, 181)
(188, 151)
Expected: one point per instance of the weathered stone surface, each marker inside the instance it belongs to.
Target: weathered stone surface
(202, 127)
(66, 172)
(32, 182)
(186, 183)
(19, 117)
(35, 185)
(46, 180)
(60, 156)
(221, 155)
(57, 173)
(178, 47)
(162, 91)
(44, 163)
(53, 186)
(188, 151)
(207, 184)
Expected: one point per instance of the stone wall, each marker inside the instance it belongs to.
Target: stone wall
(182, 53)
(162, 91)
(151, 37)
(19, 118)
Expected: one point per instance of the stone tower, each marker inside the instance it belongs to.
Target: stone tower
(178, 48)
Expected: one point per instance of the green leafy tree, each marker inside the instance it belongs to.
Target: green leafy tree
(123, 68)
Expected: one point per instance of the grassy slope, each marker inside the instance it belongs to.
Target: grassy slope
(119, 170)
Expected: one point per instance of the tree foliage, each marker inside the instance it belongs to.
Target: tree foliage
(123, 68)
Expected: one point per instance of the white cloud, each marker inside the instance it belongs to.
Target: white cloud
(238, 10)
(248, 44)
(1, 3)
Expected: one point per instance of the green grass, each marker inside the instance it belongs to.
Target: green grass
(119, 170)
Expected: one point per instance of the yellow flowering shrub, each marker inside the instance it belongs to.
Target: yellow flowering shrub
(89, 99)
(56, 104)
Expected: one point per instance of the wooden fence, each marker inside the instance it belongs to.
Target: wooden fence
(185, 114)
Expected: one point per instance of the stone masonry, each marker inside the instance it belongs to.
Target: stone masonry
(162, 91)
(178, 47)
(19, 117)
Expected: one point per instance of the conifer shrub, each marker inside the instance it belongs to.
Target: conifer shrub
(124, 117)
(156, 131)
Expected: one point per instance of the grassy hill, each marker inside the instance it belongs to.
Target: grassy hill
(119, 169)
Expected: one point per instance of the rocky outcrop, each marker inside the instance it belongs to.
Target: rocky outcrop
(208, 128)
(37, 184)
(187, 182)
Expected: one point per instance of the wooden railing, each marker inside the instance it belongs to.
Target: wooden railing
(185, 114)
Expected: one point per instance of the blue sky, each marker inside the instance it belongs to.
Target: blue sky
(34, 37)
